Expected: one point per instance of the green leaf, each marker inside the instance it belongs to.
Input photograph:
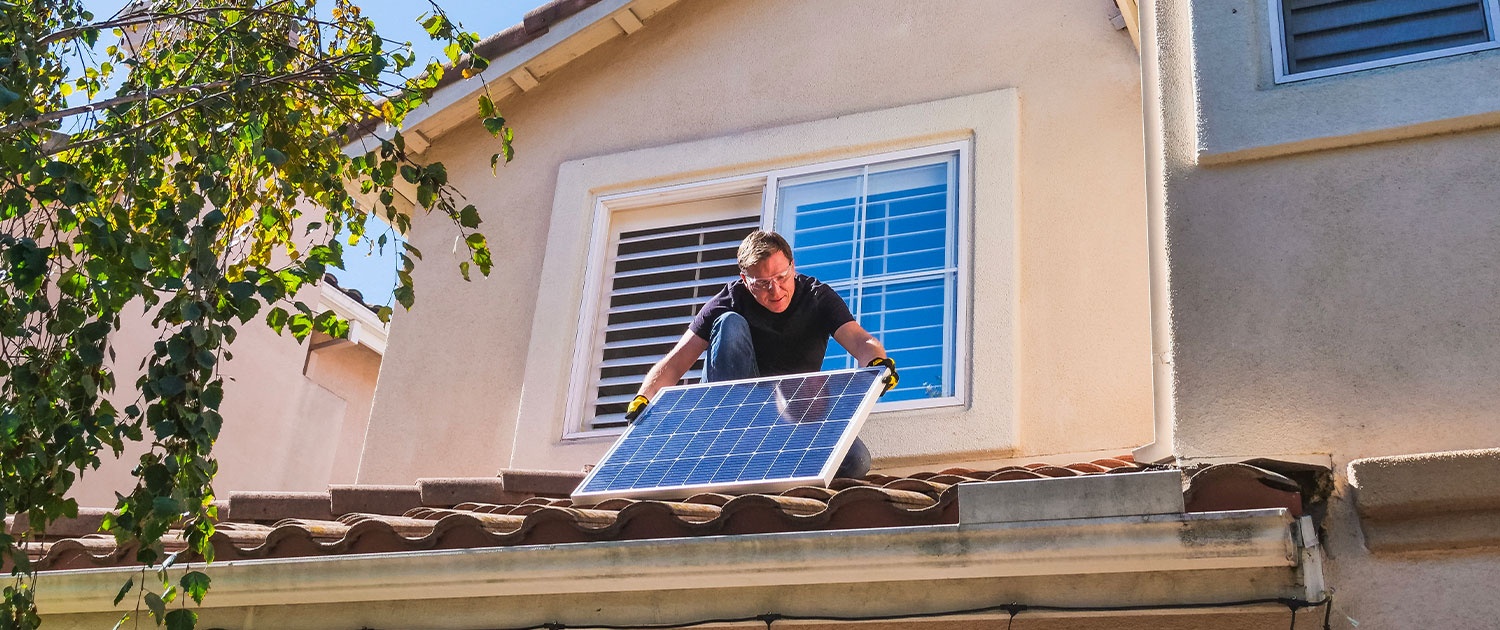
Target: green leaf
(75, 193)
(182, 619)
(124, 590)
(141, 259)
(494, 124)
(276, 319)
(7, 97)
(170, 385)
(486, 106)
(405, 296)
(157, 606)
(275, 157)
(195, 584)
(166, 507)
(213, 395)
(301, 326)
(469, 217)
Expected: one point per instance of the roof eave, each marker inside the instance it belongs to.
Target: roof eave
(522, 68)
(1252, 554)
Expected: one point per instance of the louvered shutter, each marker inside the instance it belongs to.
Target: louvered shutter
(1321, 34)
(660, 278)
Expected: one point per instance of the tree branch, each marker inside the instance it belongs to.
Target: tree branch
(108, 103)
(316, 73)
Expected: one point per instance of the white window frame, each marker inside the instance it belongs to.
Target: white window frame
(586, 350)
(1279, 54)
(957, 312)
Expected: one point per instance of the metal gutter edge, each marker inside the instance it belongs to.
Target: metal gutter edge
(1174, 542)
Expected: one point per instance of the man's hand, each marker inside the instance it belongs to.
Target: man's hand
(890, 379)
(636, 407)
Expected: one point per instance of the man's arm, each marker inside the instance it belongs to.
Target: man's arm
(670, 368)
(859, 343)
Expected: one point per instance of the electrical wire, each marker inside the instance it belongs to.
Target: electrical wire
(1012, 609)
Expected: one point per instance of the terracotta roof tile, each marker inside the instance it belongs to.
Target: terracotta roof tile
(448, 491)
(459, 521)
(1240, 486)
(390, 500)
(547, 483)
(273, 506)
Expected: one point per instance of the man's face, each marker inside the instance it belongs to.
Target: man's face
(772, 282)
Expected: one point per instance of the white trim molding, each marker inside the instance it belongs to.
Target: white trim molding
(983, 422)
(587, 349)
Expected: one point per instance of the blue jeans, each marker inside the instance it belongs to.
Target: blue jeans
(731, 356)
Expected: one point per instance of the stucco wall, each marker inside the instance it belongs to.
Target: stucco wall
(1337, 301)
(451, 388)
(283, 430)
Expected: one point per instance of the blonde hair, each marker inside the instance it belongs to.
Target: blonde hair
(760, 245)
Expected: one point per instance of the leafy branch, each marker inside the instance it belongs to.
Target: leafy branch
(209, 190)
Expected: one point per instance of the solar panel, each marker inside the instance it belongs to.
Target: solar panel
(754, 435)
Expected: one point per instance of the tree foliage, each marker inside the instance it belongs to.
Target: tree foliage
(206, 182)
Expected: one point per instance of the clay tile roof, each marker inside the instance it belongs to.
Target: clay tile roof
(436, 514)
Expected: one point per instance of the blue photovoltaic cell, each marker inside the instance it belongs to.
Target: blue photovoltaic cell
(750, 435)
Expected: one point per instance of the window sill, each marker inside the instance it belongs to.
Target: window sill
(919, 404)
(1421, 502)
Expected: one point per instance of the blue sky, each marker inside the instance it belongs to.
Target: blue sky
(375, 274)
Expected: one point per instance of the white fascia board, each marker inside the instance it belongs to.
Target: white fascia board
(1225, 541)
(499, 73)
(364, 327)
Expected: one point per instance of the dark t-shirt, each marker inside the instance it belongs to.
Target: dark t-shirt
(790, 342)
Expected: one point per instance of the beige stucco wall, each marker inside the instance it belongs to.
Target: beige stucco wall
(283, 429)
(1076, 356)
(1337, 301)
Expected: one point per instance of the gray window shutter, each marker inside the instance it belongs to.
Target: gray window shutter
(1322, 34)
(660, 278)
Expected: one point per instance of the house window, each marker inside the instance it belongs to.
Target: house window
(882, 231)
(884, 235)
(1315, 38)
(661, 275)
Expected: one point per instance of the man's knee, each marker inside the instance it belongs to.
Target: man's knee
(732, 324)
(857, 462)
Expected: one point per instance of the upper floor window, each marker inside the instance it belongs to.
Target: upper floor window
(1315, 38)
(884, 235)
(883, 231)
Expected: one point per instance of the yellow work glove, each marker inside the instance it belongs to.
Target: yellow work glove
(890, 367)
(636, 407)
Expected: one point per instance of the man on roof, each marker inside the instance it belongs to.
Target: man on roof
(771, 321)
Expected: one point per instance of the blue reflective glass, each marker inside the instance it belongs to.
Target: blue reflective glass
(759, 467)
(770, 430)
(678, 472)
(733, 466)
(813, 462)
(901, 218)
(777, 437)
(785, 464)
(704, 471)
(651, 477)
(750, 441)
(723, 443)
